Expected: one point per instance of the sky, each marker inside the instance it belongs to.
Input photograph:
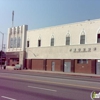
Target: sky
(45, 13)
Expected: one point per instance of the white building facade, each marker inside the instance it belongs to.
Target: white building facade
(16, 45)
(68, 48)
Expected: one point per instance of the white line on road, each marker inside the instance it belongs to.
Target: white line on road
(8, 98)
(43, 88)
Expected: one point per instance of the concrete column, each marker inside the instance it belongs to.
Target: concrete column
(22, 58)
(8, 39)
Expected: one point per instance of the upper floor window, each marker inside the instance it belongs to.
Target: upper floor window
(98, 38)
(28, 44)
(11, 43)
(14, 43)
(68, 40)
(82, 39)
(52, 41)
(18, 29)
(18, 42)
(39, 42)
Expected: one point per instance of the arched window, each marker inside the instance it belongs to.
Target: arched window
(28, 43)
(39, 42)
(98, 38)
(18, 29)
(82, 38)
(68, 39)
(52, 41)
(13, 30)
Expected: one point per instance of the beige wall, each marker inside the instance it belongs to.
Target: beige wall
(20, 31)
(22, 34)
(60, 50)
(90, 28)
(63, 52)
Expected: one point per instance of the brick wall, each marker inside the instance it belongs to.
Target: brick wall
(12, 63)
(85, 68)
(28, 63)
(38, 64)
(58, 64)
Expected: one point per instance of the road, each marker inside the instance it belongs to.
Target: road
(15, 86)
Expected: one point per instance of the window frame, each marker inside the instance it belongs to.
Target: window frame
(98, 39)
(67, 40)
(39, 42)
(18, 42)
(14, 41)
(82, 61)
(28, 43)
(82, 39)
(52, 41)
(11, 42)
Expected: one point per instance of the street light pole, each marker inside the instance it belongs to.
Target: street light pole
(2, 46)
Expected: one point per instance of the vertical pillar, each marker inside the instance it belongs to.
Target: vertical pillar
(8, 39)
(22, 58)
(22, 54)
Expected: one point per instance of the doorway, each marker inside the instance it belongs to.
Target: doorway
(53, 66)
(67, 66)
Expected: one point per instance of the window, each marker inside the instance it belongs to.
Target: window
(68, 40)
(82, 61)
(11, 43)
(39, 43)
(14, 43)
(98, 38)
(27, 43)
(18, 42)
(18, 30)
(79, 61)
(82, 39)
(52, 41)
(85, 61)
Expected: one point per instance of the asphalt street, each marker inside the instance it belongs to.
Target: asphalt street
(30, 87)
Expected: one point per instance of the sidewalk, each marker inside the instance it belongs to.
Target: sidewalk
(64, 73)
(55, 72)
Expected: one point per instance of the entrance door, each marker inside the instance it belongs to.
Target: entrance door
(67, 66)
(98, 68)
(53, 66)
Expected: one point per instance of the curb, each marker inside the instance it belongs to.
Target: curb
(63, 73)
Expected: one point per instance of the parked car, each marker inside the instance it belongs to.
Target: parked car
(17, 67)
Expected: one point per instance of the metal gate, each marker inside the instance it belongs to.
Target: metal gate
(53, 66)
(67, 66)
(98, 68)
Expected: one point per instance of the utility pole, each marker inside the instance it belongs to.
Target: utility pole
(2, 46)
